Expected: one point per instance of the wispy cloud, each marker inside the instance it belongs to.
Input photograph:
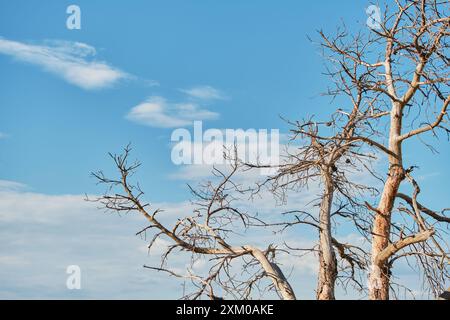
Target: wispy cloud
(6, 185)
(204, 93)
(3, 135)
(158, 112)
(73, 61)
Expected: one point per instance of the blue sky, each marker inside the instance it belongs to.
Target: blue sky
(239, 64)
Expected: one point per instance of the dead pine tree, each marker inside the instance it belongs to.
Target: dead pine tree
(332, 162)
(328, 162)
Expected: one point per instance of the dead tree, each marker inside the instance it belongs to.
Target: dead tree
(204, 232)
(327, 162)
(408, 72)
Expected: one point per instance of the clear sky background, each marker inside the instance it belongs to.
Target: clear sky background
(235, 64)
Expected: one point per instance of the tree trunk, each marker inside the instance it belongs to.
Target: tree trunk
(274, 272)
(327, 259)
(379, 274)
(379, 278)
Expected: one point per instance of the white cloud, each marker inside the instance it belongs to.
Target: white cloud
(50, 232)
(158, 112)
(38, 208)
(194, 172)
(306, 264)
(204, 93)
(6, 185)
(73, 61)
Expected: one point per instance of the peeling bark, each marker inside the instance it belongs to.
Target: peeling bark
(380, 273)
